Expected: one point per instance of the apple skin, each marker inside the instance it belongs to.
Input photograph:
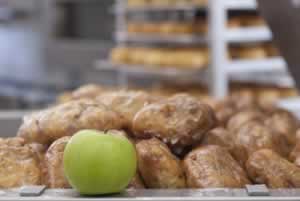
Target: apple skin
(96, 163)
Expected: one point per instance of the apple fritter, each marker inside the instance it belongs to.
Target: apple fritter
(219, 136)
(64, 120)
(295, 155)
(136, 183)
(225, 110)
(243, 117)
(254, 136)
(126, 103)
(88, 91)
(267, 167)
(158, 167)
(54, 164)
(179, 121)
(20, 164)
(284, 123)
(213, 167)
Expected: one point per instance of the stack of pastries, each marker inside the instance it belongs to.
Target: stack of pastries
(180, 141)
(198, 26)
(180, 58)
(159, 3)
(254, 51)
(186, 58)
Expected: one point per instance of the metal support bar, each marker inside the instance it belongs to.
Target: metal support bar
(218, 81)
(121, 26)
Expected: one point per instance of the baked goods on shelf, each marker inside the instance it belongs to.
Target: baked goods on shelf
(199, 26)
(180, 121)
(54, 164)
(160, 3)
(158, 166)
(20, 163)
(267, 167)
(181, 58)
(253, 136)
(213, 167)
(245, 20)
(64, 120)
(126, 103)
(181, 142)
(248, 52)
(186, 58)
(253, 51)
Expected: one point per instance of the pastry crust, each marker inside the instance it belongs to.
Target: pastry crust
(267, 167)
(20, 164)
(158, 167)
(54, 164)
(65, 120)
(213, 167)
(179, 121)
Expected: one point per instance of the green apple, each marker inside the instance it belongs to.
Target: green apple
(96, 163)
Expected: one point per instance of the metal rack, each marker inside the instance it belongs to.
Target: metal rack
(221, 70)
(269, 70)
(213, 76)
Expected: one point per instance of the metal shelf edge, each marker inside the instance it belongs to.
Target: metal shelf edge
(253, 34)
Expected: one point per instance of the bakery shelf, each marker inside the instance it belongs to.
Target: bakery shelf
(241, 4)
(291, 104)
(141, 9)
(274, 79)
(247, 35)
(163, 73)
(264, 71)
(161, 40)
(162, 195)
(276, 64)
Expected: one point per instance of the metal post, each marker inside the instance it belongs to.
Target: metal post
(218, 81)
(121, 24)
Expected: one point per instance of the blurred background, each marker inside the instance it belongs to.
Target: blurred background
(210, 48)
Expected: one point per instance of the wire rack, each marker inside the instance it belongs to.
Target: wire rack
(220, 70)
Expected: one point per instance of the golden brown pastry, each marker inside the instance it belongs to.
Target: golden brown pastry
(213, 167)
(126, 103)
(180, 120)
(89, 91)
(158, 167)
(15, 141)
(284, 123)
(20, 164)
(136, 183)
(234, 22)
(224, 110)
(252, 21)
(54, 164)
(120, 55)
(219, 136)
(241, 118)
(64, 97)
(249, 52)
(295, 154)
(65, 120)
(267, 167)
(254, 136)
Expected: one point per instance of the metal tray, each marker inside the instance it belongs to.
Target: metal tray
(158, 40)
(166, 73)
(162, 195)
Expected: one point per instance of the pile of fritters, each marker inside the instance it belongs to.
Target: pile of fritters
(180, 141)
